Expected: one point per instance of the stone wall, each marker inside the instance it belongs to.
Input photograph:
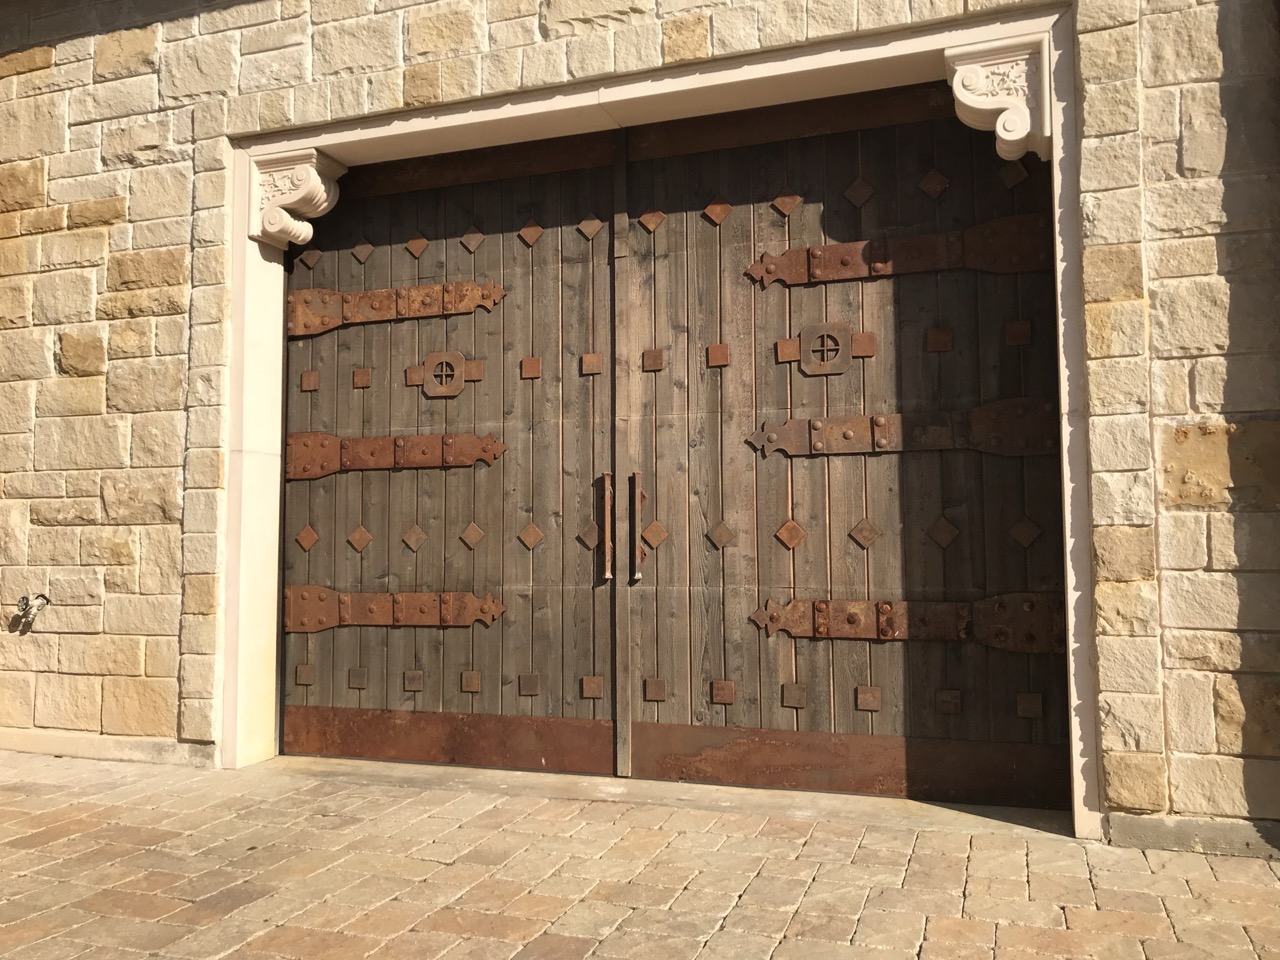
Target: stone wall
(114, 240)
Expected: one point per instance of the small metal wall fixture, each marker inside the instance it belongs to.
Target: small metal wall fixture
(444, 373)
(29, 608)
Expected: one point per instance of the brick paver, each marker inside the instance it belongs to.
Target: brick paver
(109, 860)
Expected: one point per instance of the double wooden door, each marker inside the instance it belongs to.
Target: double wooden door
(721, 451)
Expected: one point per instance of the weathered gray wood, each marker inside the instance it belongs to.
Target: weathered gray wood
(602, 432)
(626, 307)
(296, 495)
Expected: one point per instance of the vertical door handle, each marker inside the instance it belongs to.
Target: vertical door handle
(607, 524)
(638, 552)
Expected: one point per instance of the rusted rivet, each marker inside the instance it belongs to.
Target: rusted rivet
(881, 442)
(816, 425)
(881, 421)
(820, 606)
(771, 437)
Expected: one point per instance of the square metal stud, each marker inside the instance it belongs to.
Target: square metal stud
(865, 533)
(472, 535)
(415, 376)
(469, 682)
(359, 538)
(1026, 532)
(787, 351)
(859, 192)
(592, 688)
(530, 536)
(943, 532)
(472, 239)
(358, 678)
(530, 233)
(361, 378)
(938, 340)
(934, 183)
(718, 355)
(530, 368)
(590, 227)
(794, 695)
(862, 344)
(722, 535)
(651, 361)
(786, 203)
(1030, 706)
(948, 702)
(414, 538)
(589, 536)
(790, 534)
(722, 691)
(305, 675)
(717, 210)
(307, 538)
(417, 246)
(591, 364)
(655, 689)
(311, 258)
(654, 534)
(529, 684)
(309, 382)
(1017, 333)
(651, 220)
(362, 252)
(414, 681)
(1013, 173)
(867, 699)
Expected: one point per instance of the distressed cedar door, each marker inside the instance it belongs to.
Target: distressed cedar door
(719, 450)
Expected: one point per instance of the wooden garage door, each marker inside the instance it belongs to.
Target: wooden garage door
(791, 375)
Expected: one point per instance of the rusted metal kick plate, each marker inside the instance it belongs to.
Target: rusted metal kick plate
(312, 312)
(1018, 622)
(1005, 245)
(311, 609)
(310, 456)
(1013, 428)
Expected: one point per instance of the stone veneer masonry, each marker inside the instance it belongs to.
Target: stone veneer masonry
(114, 249)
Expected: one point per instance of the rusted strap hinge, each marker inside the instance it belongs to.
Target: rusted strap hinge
(317, 311)
(1016, 427)
(1018, 622)
(309, 456)
(1006, 245)
(310, 609)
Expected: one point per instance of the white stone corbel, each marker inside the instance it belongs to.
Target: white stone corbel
(288, 187)
(1003, 85)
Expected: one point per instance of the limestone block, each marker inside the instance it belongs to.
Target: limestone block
(1110, 163)
(1135, 781)
(1100, 14)
(108, 546)
(1127, 608)
(113, 99)
(1124, 553)
(1112, 216)
(1196, 256)
(84, 483)
(204, 469)
(142, 496)
(1213, 463)
(200, 68)
(156, 192)
(19, 255)
(74, 585)
(1131, 723)
(70, 511)
(1116, 329)
(1239, 384)
(22, 185)
(561, 17)
(33, 127)
(1244, 541)
(1118, 386)
(142, 616)
(444, 30)
(543, 64)
(202, 509)
(14, 519)
(500, 70)
(735, 30)
(1160, 162)
(422, 84)
(139, 142)
(1222, 651)
(157, 439)
(35, 651)
(27, 486)
(1189, 705)
(78, 443)
(200, 553)
(78, 397)
(1247, 708)
(15, 302)
(160, 570)
(460, 77)
(209, 347)
(686, 38)
(163, 302)
(93, 213)
(274, 36)
(1181, 46)
(16, 453)
(275, 70)
(196, 676)
(201, 594)
(1113, 272)
(637, 48)
(1108, 55)
(146, 384)
(514, 33)
(141, 269)
(67, 296)
(239, 15)
(200, 634)
(1129, 664)
(876, 14)
(162, 657)
(210, 304)
(1220, 601)
(1171, 387)
(131, 339)
(1184, 208)
(1230, 128)
(127, 53)
(17, 409)
(114, 656)
(1121, 442)
(68, 702)
(197, 721)
(17, 699)
(26, 61)
(44, 220)
(1225, 786)
(1111, 108)
(1123, 498)
(82, 352)
(357, 47)
(140, 706)
(1183, 541)
(75, 248)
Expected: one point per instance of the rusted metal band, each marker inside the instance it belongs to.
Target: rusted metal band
(1013, 428)
(1018, 622)
(310, 456)
(1005, 245)
(311, 609)
(311, 312)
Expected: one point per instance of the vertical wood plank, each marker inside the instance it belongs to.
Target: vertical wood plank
(296, 495)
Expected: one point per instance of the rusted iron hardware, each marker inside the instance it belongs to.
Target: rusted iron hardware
(1018, 622)
(444, 373)
(310, 609)
(1005, 245)
(310, 456)
(1016, 427)
(318, 311)
(826, 349)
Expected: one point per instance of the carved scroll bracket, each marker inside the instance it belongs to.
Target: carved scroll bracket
(288, 190)
(1003, 85)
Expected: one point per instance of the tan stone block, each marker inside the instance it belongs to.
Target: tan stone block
(1220, 601)
(127, 53)
(78, 443)
(201, 511)
(500, 70)
(84, 483)
(444, 30)
(54, 547)
(16, 453)
(67, 296)
(141, 303)
(17, 699)
(111, 546)
(734, 30)
(1126, 498)
(43, 220)
(26, 61)
(1189, 710)
(1183, 541)
(1121, 442)
(1111, 108)
(82, 352)
(1110, 163)
(140, 706)
(1247, 709)
(279, 69)
(200, 68)
(1124, 553)
(1129, 664)
(142, 496)
(1113, 272)
(686, 38)
(68, 702)
(1196, 256)
(877, 14)
(637, 48)
(1239, 384)
(1190, 316)
(122, 580)
(200, 553)
(1129, 608)
(544, 64)
(1212, 463)
(20, 255)
(363, 46)
(131, 339)
(101, 212)
(158, 439)
(196, 676)
(162, 657)
(113, 99)
(1181, 46)
(34, 127)
(67, 512)
(15, 302)
(139, 142)
(204, 469)
(147, 384)
(17, 408)
(142, 616)
(22, 185)
(1171, 387)
(29, 486)
(76, 248)
(116, 656)
(72, 398)
(562, 17)
(1225, 786)
(1112, 216)
(200, 634)
(157, 192)
(460, 78)
(1118, 386)
(160, 570)
(201, 594)
(422, 84)
(1186, 208)
(31, 652)
(1244, 541)
(1223, 651)
(196, 721)
(1100, 14)
(1135, 781)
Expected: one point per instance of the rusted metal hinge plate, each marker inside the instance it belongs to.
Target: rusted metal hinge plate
(311, 609)
(310, 456)
(312, 312)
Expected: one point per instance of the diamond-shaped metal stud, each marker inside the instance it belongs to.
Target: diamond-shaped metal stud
(859, 192)
(1025, 531)
(721, 535)
(417, 246)
(651, 220)
(1013, 173)
(717, 210)
(654, 534)
(786, 203)
(414, 538)
(362, 252)
(307, 538)
(864, 533)
(311, 258)
(590, 227)
(934, 183)
(943, 532)
(472, 239)
(530, 536)
(472, 535)
(360, 538)
(589, 536)
(790, 534)
(530, 233)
